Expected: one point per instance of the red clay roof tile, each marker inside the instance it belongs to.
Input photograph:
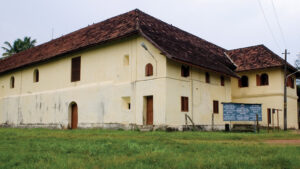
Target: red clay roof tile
(256, 57)
(176, 44)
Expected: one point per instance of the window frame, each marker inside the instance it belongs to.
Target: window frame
(222, 79)
(241, 82)
(215, 106)
(76, 69)
(12, 82)
(264, 79)
(149, 69)
(184, 104)
(185, 71)
(36, 76)
(207, 77)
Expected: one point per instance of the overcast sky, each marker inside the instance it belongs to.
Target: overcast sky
(227, 23)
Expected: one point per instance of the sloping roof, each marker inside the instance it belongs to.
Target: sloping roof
(174, 43)
(256, 57)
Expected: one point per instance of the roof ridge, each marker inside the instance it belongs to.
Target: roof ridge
(247, 47)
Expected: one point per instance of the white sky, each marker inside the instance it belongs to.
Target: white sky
(227, 23)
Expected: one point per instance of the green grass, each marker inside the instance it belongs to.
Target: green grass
(94, 148)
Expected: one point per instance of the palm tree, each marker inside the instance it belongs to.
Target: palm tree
(18, 46)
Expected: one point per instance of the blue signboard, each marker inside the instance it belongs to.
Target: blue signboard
(241, 112)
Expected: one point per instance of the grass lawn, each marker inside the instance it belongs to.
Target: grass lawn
(95, 148)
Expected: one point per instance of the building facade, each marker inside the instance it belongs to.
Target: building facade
(127, 71)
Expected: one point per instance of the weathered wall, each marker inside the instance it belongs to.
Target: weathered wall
(200, 94)
(106, 79)
(270, 96)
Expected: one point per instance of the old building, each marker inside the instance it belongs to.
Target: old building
(129, 70)
(262, 81)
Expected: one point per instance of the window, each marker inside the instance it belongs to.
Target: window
(207, 78)
(185, 71)
(12, 82)
(290, 82)
(126, 103)
(75, 69)
(126, 60)
(269, 116)
(243, 81)
(149, 70)
(216, 106)
(36, 75)
(222, 81)
(264, 79)
(184, 104)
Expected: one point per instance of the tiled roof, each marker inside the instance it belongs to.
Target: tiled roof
(256, 57)
(176, 44)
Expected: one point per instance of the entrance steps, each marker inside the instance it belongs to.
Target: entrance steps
(146, 127)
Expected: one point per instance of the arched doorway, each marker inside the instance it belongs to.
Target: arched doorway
(74, 115)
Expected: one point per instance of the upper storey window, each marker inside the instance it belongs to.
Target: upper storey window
(149, 70)
(264, 79)
(290, 82)
(75, 69)
(185, 71)
(12, 82)
(207, 77)
(243, 81)
(222, 81)
(36, 75)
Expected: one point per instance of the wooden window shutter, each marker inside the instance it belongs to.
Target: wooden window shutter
(184, 104)
(216, 106)
(292, 83)
(288, 82)
(149, 70)
(75, 69)
(240, 82)
(257, 80)
(269, 116)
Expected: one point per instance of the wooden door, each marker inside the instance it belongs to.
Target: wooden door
(149, 110)
(74, 119)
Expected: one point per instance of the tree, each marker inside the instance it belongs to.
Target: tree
(18, 46)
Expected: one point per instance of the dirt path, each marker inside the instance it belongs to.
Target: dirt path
(297, 142)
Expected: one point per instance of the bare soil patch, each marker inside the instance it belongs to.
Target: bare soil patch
(283, 141)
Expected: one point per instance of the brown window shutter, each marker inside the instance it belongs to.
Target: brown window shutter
(184, 104)
(146, 70)
(292, 83)
(216, 106)
(288, 83)
(240, 82)
(269, 116)
(149, 70)
(257, 80)
(75, 69)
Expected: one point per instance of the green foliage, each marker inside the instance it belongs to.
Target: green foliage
(94, 148)
(18, 46)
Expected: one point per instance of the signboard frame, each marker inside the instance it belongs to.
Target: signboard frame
(242, 111)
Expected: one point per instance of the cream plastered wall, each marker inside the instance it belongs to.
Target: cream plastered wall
(106, 78)
(200, 94)
(270, 96)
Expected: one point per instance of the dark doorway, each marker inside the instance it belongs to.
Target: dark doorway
(149, 120)
(74, 116)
